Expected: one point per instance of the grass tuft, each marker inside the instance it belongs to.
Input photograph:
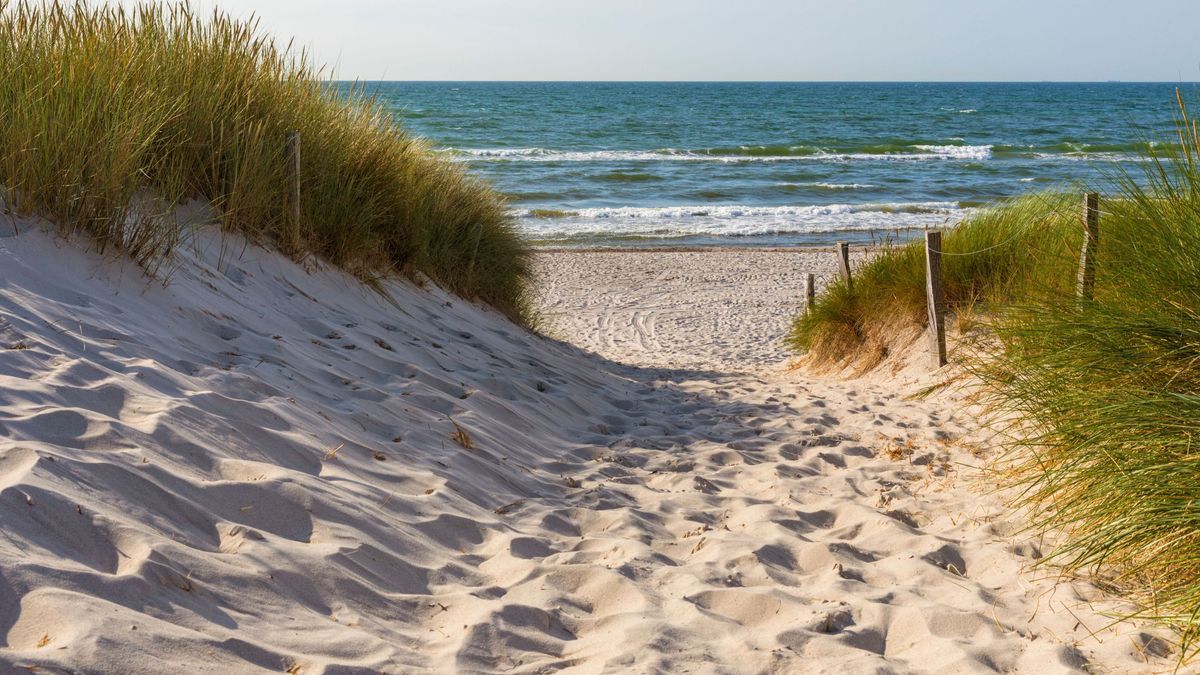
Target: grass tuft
(992, 257)
(1109, 394)
(113, 117)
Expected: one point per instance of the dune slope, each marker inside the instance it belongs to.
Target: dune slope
(260, 467)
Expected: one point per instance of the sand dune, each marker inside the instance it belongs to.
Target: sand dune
(259, 468)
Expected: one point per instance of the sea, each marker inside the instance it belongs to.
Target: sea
(771, 164)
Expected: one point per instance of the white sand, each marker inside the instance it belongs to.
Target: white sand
(725, 310)
(253, 469)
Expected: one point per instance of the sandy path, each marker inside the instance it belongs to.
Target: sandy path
(263, 469)
(874, 502)
(643, 308)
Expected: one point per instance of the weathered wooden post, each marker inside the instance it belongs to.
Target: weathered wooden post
(810, 292)
(293, 178)
(934, 298)
(843, 251)
(1091, 240)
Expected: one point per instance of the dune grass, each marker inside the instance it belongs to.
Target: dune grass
(1105, 439)
(110, 118)
(989, 259)
(1109, 392)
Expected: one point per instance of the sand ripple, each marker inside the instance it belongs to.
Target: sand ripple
(261, 469)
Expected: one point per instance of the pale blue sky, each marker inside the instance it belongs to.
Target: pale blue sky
(743, 39)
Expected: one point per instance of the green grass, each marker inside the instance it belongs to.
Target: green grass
(1105, 442)
(110, 118)
(1014, 244)
(1109, 392)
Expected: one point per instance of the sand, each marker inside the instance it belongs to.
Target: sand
(726, 309)
(263, 467)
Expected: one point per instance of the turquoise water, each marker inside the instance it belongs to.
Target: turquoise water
(768, 164)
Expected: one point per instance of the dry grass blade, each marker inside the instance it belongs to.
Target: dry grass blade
(508, 508)
(460, 436)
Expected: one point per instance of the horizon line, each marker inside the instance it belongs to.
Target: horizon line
(526, 81)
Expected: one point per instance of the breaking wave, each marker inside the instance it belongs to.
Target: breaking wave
(731, 155)
(733, 220)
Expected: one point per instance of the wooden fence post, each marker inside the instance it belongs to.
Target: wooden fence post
(934, 298)
(810, 292)
(843, 251)
(1091, 240)
(293, 178)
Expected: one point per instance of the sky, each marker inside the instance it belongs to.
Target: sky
(873, 40)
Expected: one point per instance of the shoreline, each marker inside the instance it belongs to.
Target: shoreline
(799, 248)
(727, 309)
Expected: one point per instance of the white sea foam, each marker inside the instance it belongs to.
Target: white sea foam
(839, 186)
(923, 152)
(919, 152)
(544, 155)
(1095, 157)
(736, 220)
(959, 151)
(962, 111)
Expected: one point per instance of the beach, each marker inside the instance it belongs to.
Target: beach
(725, 309)
(512, 365)
(262, 467)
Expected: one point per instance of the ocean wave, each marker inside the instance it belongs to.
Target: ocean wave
(962, 111)
(1095, 157)
(544, 155)
(1074, 150)
(760, 151)
(733, 220)
(891, 152)
(738, 211)
(835, 186)
(959, 151)
(886, 151)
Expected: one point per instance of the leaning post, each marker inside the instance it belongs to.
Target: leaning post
(934, 299)
(293, 179)
(843, 251)
(810, 292)
(1087, 254)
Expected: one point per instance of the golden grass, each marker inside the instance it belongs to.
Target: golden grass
(991, 258)
(112, 118)
(460, 436)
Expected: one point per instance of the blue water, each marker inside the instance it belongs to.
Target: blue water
(774, 163)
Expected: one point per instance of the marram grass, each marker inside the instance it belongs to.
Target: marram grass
(1104, 394)
(110, 118)
(987, 260)
(1109, 395)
